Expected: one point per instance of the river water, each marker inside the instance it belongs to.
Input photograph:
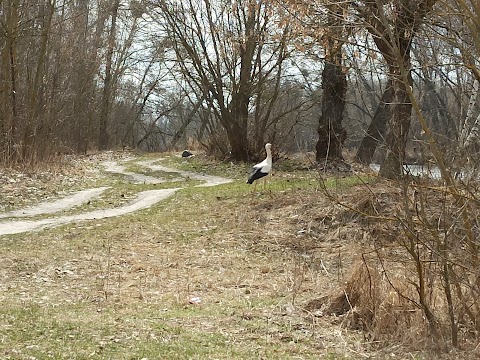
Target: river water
(430, 171)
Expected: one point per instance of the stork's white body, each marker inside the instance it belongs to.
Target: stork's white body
(261, 170)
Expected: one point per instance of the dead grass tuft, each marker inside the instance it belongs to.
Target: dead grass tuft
(370, 302)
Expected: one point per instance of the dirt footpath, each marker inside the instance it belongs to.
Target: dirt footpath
(14, 222)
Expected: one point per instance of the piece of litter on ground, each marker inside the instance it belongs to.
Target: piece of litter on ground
(195, 300)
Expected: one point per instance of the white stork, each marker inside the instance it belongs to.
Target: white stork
(261, 170)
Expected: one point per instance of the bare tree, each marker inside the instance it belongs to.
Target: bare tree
(393, 26)
(229, 53)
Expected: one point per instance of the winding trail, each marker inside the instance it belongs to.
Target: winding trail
(135, 178)
(210, 180)
(57, 205)
(143, 200)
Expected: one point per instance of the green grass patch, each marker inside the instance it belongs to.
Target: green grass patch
(202, 164)
(80, 331)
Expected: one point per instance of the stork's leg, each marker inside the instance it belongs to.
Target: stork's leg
(265, 186)
(254, 187)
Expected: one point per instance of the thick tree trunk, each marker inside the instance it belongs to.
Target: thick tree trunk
(237, 137)
(376, 129)
(331, 134)
(238, 130)
(240, 149)
(399, 125)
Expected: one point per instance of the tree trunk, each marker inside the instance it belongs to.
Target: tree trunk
(393, 32)
(8, 86)
(107, 82)
(434, 105)
(376, 129)
(237, 136)
(237, 129)
(331, 134)
(82, 78)
(399, 125)
(35, 122)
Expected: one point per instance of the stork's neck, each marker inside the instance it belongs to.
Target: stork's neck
(269, 155)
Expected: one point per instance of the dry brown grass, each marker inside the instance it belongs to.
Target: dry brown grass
(282, 275)
(381, 293)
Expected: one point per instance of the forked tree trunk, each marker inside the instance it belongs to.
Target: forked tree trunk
(393, 32)
(237, 128)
